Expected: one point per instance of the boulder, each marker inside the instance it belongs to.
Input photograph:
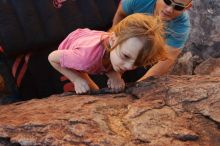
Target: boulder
(204, 37)
(171, 110)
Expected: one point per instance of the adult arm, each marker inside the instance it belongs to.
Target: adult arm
(119, 15)
(162, 67)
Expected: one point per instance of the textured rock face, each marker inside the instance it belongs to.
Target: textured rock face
(210, 66)
(204, 37)
(188, 65)
(172, 110)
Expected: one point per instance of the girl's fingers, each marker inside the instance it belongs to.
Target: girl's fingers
(84, 88)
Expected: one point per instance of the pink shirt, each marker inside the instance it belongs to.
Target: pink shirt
(83, 51)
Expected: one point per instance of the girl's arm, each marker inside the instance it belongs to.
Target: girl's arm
(115, 82)
(81, 81)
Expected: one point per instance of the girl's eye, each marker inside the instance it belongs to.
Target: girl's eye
(126, 56)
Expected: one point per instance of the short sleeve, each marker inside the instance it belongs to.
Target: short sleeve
(138, 6)
(177, 40)
(81, 49)
(177, 31)
(128, 6)
(73, 59)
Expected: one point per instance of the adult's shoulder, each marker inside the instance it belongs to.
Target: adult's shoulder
(181, 24)
(138, 6)
(178, 31)
(183, 20)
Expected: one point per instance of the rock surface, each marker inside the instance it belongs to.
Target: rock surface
(194, 65)
(210, 66)
(204, 39)
(167, 111)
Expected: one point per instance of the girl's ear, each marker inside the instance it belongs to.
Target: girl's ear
(112, 39)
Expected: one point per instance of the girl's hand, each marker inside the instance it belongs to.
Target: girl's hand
(116, 83)
(81, 86)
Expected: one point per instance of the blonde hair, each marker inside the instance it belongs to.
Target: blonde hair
(149, 29)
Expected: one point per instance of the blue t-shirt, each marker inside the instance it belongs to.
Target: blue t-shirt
(177, 30)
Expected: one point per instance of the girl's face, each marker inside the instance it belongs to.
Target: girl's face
(124, 55)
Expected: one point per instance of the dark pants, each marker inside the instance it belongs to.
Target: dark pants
(128, 76)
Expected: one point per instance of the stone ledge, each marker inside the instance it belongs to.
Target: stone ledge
(172, 110)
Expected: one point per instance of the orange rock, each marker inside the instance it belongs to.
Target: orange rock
(165, 111)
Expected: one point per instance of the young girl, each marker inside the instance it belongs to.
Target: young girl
(135, 41)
